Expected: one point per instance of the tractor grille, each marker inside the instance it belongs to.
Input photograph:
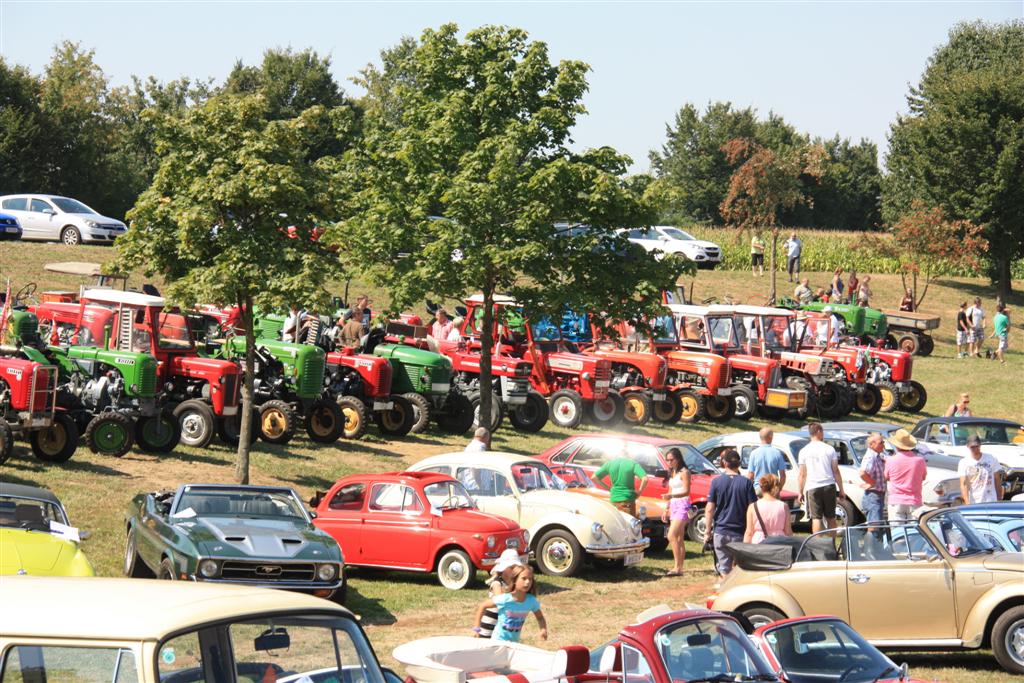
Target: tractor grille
(310, 375)
(147, 376)
(231, 390)
(378, 380)
(723, 375)
(603, 371)
(267, 571)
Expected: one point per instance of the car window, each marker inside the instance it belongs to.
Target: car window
(442, 469)
(843, 450)
(695, 461)
(72, 205)
(16, 204)
(349, 497)
(637, 234)
(182, 658)
(591, 455)
(707, 648)
(447, 494)
(64, 663)
(238, 503)
(481, 481)
(938, 433)
(1016, 537)
(816, 651)
(635, 668)
(644, 455)
(796, 446)
(29, 513)
(722, 331)
(565, 452)
(691, 328)
(38, 205)
(394, 498)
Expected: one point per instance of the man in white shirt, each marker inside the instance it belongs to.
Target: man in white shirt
(818, 480)
(981, 475)
(976, 336)
(793, 248)
(481, 441)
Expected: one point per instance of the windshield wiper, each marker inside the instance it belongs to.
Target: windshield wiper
(733, 678)
(888, 671)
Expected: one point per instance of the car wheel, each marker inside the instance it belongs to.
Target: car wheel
(71, 236)
(325, 422)
(847, 513)
(56, 443)
(697, 525)
(913, 399)
(157, 433)
(638, 408)
(890, 397)
(692, 406)
(1008, 639)
(566, 408)
(746, 402)
(531, 416)
(166, 571)
(355, 415)
(608, 412)
(133, 564)
(421, 411)
(559, 553)
(197, 422)
(277, 422)
(761, 615)
(669, 411)
(455, 570)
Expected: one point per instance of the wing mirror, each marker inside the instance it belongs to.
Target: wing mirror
(272, 639)
(904, 671)
(49, 212)
(84, 535)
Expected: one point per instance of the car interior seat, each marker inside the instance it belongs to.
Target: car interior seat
(7, 516)
(26, 513)
(214, 505)
(261, 506)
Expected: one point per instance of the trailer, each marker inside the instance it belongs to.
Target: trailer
(909, 332)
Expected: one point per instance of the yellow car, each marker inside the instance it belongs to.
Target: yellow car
(35, 535)
(931, 584)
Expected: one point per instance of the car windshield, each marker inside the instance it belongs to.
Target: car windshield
(71, 205)
(695, 461)
(574, 477)
(29, 513)
(664, 329)
(533, 476)
(227, 502)
(859, 445)
(989, 433)
(957, 535)
(677, 234)
(708, 647)
(723, 331)
(810, 652)
(448, 495)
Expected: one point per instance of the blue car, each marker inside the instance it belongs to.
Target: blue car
(10, 228)
(1002, 524)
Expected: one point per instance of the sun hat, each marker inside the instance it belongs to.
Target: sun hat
(508, 558)
(902, 440)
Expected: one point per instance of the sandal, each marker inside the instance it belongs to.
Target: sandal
(672, 572)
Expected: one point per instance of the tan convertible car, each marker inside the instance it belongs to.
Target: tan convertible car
(934, 584)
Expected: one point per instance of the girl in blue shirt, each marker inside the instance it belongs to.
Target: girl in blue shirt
(514, 607)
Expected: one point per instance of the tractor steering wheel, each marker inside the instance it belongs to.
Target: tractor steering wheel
(26, 292)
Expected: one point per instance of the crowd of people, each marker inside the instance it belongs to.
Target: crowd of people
(970, 331)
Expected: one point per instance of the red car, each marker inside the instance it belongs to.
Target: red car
(415, 521)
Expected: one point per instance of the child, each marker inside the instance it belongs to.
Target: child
(498, 583)
(514, 607)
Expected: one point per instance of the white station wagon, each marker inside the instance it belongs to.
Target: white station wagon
(668, 239)
(49, 217)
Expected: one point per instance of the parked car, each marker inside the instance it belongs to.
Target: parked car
(668, 239)
(1002, 524)
(1004, 439)
(252, 535)
(416, 521)
(934, 458)
(177, 632)
(10, 228)
(49, 217)
(565, 528)
(36, 537)
(950, 590)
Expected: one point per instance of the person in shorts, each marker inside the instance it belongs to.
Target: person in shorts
(1001, 324)
(819, 480)
(976, 319)
(756, 255)
(963, 331)
(725, 515)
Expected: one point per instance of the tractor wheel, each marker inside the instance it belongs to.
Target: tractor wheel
(719, 408)
(457, 417)
(277, 422)
(566, 408)
(669, 411)
(913, 399)
(110, 434)
(848, 398)
(927, 345)
(908, 343)
(869, 399)
(6, 441)
(197, 422)
(638, 408)
(497, 411)
(325, 422)
(830, 401)
(355, 416)
(157, 433)
(746, 402)
(56, 443)
(421, 410)
(229, 428)
(608, 412)
(531, 416)
(693, 405)
(890, 396)
(399, 420)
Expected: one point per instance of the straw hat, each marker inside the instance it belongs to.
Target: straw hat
(902, 440)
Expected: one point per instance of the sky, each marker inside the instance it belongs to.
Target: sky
(826, 67)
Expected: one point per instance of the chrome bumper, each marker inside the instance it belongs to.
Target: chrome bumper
(614, 552)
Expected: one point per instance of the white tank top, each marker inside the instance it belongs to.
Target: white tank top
(675, 486)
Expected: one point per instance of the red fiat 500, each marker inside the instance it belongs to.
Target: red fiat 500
(416, 521)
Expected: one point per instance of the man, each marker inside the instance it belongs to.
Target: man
(818, 480)
(363, 304)
(481, 441)
(976, 319)
(793, 249)
(352, 330)
(292, 325)
(725, 516)
(829, 333)
(766, 459)
(872, 475)
(905, 471)
(803, 292)
(442, 326)
(756, 254)
(981, 475)
(963, 331)
(622, 473)
(1001, 325)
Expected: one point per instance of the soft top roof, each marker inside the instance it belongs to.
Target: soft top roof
(22, 491)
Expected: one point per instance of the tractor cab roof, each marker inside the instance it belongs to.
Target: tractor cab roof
(499, 300)
(762, 310)
(114, 296)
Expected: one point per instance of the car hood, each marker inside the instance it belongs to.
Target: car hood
(34, 552)
(262, 538)
(95, 217)
(614, 521)
(475, 521)
(1007, 562)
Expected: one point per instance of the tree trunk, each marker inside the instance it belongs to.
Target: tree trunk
(486, 345)
(245, 410)
(771, 265)
(1003, 280)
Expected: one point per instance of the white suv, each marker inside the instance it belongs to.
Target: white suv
(49, 217)
(668, 239)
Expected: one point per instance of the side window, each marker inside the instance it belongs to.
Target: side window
(563, 455)
(349, 497)
(590, 455)
(644, 456)
(637, 234)
(634, 666)
(1016, 537)
(38, 206)
(394, 498)
(56, 663)
(16, 203)
(939, 433)
(842, 450)
(480, 481)
(183, 656)
(745, 455)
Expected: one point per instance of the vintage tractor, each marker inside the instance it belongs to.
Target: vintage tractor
(361, 385)
(28, 406)
(867, 324)
(901, 330)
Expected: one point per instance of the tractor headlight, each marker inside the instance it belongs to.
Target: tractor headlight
(586, 376)
(326, 572)
(491, 540)
(208, 569)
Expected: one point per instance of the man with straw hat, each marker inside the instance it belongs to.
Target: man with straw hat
(904, 472)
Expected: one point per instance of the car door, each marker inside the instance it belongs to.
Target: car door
(817, 583)
(396, 527)
(41, 217)
(342, 518)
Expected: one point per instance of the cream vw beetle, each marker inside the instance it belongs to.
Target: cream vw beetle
(564, 527)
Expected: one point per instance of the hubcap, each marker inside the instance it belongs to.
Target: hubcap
(53, 439)
(887, 398)
(689, 407)
(129, 554)
(635, 409)
(758, 620)
(910, 398)
(393, 418)
(157, 432)
(322, 422)
(273, 423)
(716, 407)
(454, 571)
(603, 410)
(1015, 641)
(558, 555)
(110, 435)
(566, 409)
(351, 419)
(192, 426)
(742, 405)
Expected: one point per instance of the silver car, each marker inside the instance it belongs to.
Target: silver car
(49, 217)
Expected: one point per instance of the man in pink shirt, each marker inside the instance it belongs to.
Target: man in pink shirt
(904, 472)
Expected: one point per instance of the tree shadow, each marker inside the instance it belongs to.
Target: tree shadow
(987, 293)
(29, 463)
(974, 660)
(191, 456)
(369, 611)
(314, 482)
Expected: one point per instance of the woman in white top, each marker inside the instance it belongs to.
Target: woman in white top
(677, 515)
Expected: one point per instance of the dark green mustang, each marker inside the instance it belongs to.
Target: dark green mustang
(250, 535)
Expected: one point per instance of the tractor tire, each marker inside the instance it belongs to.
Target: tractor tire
(56, 443)
(890, 396)
(607, 413)
(638, 408)
(531, 416)
(719, 408)
(197, 421)
(908, 343)
(830, 401)
(457, 417)
(849, 399)
(746, 402)
(927, 345)
(158, 433)
(669, 411)
(566, 409)
(229, 428)
(325, 422)
(110, 434)
(497, 411)
(355, 415)
(890, 342)
(277, 422)
(913, 399)
(869, 400)
(6, 441)
(421, 410)
(693, 405)
(399, 420)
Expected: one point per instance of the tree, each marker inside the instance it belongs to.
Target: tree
(848, 193)
(764, 184)
(477, 132)
(212, 222)
(961, 146)
(22, 128)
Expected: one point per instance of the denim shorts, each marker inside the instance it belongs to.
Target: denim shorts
(873, 506)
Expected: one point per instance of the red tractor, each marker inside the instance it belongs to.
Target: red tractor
(361, 384)
(28, 405)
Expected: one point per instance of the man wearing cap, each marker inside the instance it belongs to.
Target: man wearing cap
(981, 475)
(905, 471)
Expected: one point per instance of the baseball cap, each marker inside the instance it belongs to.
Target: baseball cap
(974, 440)
(508, 558)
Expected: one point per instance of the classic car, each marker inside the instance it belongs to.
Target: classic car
(162, 632)
(252, 535)
(934, 584)
(417, 521)
(1004, 439)
(1002, 524)
(564, 527)
(36, 537)
(823, 648)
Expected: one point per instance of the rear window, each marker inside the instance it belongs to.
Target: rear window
(62, 663)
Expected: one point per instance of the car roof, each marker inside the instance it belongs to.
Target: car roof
(1004, 508)
(132, 609)
(476, 458)
(405, 477)
(640, 630)
(854, 426)
(22, 491)
(237, 487)
(969, 420)
(791, 435)
(621, 436)
(117, 296)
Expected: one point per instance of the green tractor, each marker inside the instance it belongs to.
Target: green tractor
(867, 324)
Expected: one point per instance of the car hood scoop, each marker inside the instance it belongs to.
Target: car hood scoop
(262, 538)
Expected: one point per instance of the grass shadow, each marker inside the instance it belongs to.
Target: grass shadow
(369, 611)
(311, 481)
(974, 660)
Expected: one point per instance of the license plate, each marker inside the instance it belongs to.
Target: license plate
(231, 410)
(632, 558)
(383, 405)
(12, 230)
(603, 383)
(659, 396)
(440, 387)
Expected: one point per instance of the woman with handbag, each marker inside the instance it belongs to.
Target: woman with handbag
(768, 516)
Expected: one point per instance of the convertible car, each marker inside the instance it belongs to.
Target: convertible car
(35, 536)
(250, 535)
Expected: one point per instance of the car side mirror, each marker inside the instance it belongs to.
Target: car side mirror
(312, 514)
(904, 671)
(49, 212)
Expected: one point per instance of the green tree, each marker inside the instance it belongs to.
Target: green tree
(22, 128)
(961, 146)
(848, 193)
(477, 131)
(212, 222)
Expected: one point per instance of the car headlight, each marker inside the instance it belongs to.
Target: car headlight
(491, 540)
(208, 569)
(597, 529)
(526, 536)
(92, 224)
(637, 525)
(326, 572)
(642, 512)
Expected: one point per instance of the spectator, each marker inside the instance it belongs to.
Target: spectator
(725, 514)
(961, 408)
(480, 442)
(821, 295)
(513, 607)
(292, 325)
(853, 285)
(499, 582)
(837, 285)
(963, 330)
(756, 255)
(363, 304)
(1001, 325)
(455, 335)
(976, 319)
(872, 475)
(768, 516)
(981, 475)
(442, 326)
(819, 479)
(766, 459)
(793, 249)
(864, 292)
(907, 303)
(830, 333)
(622, 473)
(803, 292)
(677, 515)
(352, 330)
(905, 471)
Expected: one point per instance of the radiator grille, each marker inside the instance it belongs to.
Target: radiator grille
(267, 571)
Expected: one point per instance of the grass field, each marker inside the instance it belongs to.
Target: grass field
(396, 607)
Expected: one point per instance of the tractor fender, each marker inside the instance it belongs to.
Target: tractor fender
(757, 592)
(978, 619)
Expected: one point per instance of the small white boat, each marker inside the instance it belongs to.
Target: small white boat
(458, 659)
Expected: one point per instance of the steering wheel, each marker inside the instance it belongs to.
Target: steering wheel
(25, 292)
(709, 300)
(856, 666)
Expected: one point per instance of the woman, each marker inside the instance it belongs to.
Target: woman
(678, 513)
(907, 304)
(769, 516)
(837, 286)
(852, 284)
(864, 293)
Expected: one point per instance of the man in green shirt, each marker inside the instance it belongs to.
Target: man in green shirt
(622, 473)
(1001, 323)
